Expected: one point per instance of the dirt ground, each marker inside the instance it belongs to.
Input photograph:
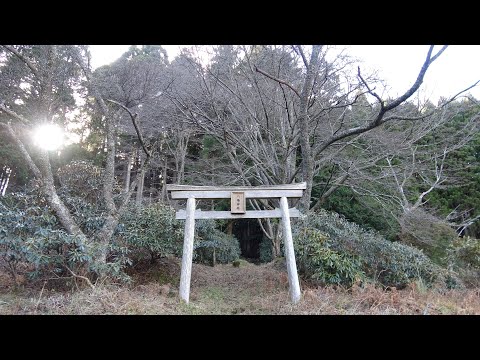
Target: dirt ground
(225, 289)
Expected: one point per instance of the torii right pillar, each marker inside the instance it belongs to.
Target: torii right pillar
(289, 252)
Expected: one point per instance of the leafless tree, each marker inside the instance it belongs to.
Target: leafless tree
(285, 113)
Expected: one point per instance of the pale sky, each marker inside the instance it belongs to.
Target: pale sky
(457, 68)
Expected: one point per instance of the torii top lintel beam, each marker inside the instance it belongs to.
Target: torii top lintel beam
(297, 186)
(224, 192)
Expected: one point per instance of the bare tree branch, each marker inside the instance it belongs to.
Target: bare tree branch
(277, 80)
(419, 80)
(302, 54)
(87, 280)
(463, 226)
(438, 180)
(468, 88)
(24, 59)
(377, 121)
(23, 151)
(13, 113)
(135, 125)
(399, 186)
(336, 184)
(370, 91)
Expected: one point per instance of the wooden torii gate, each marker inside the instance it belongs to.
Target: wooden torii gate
(238, 196)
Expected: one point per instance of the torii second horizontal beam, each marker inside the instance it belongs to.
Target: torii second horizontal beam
(250, 214)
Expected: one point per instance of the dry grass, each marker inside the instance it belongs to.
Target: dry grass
(225, 289)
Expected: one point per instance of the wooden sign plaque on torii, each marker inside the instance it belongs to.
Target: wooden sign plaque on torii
(238, 196)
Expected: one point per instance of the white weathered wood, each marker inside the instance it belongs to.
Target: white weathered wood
(250, 214)
(249, 194)
(290, 253)
(187, 251)
(298, 186)
(259, 192)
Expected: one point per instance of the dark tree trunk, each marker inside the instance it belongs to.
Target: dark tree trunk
(305, 131)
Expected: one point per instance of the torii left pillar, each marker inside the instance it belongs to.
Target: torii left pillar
(187, 251)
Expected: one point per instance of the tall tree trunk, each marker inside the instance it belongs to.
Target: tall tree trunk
(54, 201)
(45, 176)
(4, 179)
(104, 235)
(182, 147)
(139, 196)
(128, 171)
(111, 220)
(164, 179)
(290, 164)
(271, 231)
(277, 239)
(112, 216)
(230, 227)
(181, 173)
(109, 173)
(305, 131)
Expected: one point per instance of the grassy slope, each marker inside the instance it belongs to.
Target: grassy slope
(248, 289)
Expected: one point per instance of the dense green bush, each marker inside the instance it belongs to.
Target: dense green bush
(426, 232)
(31, 235)
(210, 242)
(465, 252)
(81, 179)
(317, 260)
(265, 249)
(152, 231)
(361, 210)
(391, 264)
(81, 192)
(463, 257)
